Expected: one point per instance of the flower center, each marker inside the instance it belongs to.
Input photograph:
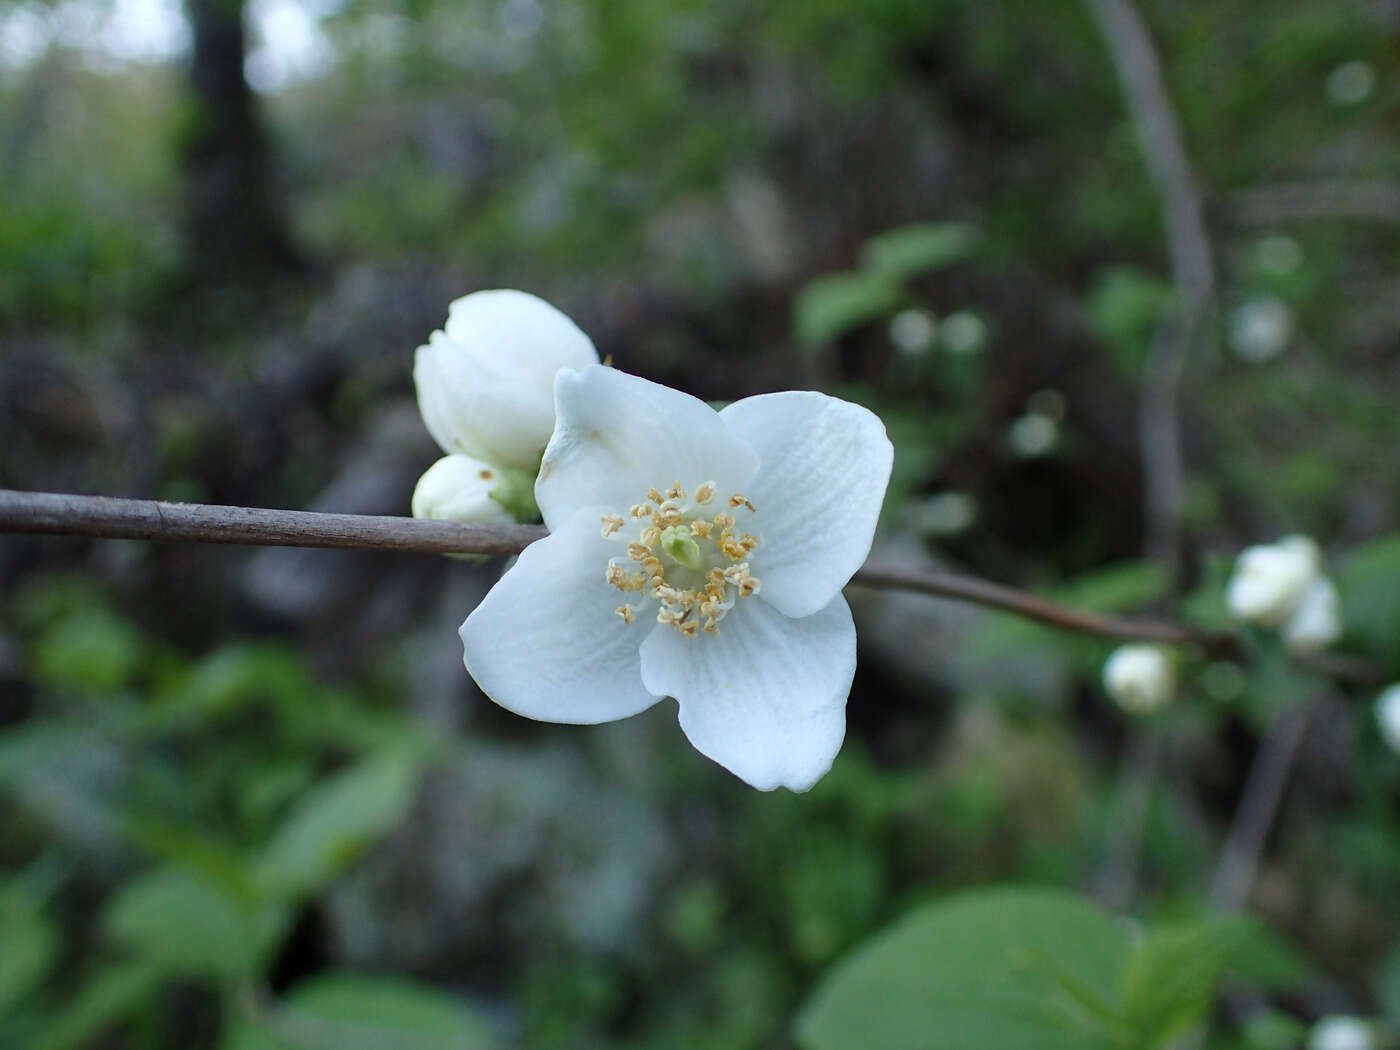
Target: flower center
(694, 565)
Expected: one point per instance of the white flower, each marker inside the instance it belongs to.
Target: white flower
(458, 488)
(1388, 716)
(1139, 678)
(486, 382)
(1318, 621)
(693, 554)
(1340, 1032)
(1261, 329)
(1270, 580)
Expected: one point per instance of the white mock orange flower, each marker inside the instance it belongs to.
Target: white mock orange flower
(694, 554)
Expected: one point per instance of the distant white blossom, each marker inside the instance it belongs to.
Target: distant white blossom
(486, 381)
(1033, 435)
(1270, 580)
(963, 332)
(1351, 82)
(912, 332)
(1261, 329)
(1388, 716)
(1340, 1032)
(1318, 621)
(1139, 678)
(694, 554)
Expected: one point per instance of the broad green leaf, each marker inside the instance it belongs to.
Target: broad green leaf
(93, 651)
(1369, 580)
(829, 307)
(1171, 978)
(334, 822)
(910, 250)
(186, 926)
(28, 946)
(355, 1010)
(997, 969)
(1388, 986)
(114, 994)
(1123, 309)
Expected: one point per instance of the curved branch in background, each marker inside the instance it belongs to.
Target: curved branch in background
(1193, 274)
(1373, 200)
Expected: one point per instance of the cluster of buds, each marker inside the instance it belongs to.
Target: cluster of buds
(485, 386)
(1282, 585)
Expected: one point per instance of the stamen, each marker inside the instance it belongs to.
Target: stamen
(639, 510)
(724, 521)
(625, 611)
(675, 491)
(700, 528)
(740, 500)
(638, 551)
(611, 523)
(705, 493)
(654, 496)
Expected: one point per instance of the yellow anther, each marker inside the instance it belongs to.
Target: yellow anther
(611, 523)
(749, 586)
(748, 541)
(740, 500)
(688, 628)
(639, 510)
(724, 521)
(705, 492)
(625, 611)
(650, 536)
(617, 576)
(711, 626)
(675, 491)
(700, 529)
(652, 566)
(655, 497)
(638, 551)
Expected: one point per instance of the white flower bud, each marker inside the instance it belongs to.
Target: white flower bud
(1318, 621)
(1388, 716)
(1340, 1032)
(458, 488)
(486, 382)
(1139, 678)
(1270, 580)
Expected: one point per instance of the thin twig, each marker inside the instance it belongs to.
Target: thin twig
(106, 517)
(1259, 803)
(1374, 200)
(1117, 877)
(1140, 76)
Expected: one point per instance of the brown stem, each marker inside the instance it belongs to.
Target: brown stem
(103, 516)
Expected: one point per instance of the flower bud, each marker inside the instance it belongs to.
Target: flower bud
(1340, 1032)
(1139, 678)
(1318, 621)
(458, 488)
(1270, 580)
(486, 381)
(1388, 716)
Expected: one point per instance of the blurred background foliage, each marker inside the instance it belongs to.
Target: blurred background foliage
(251, 800)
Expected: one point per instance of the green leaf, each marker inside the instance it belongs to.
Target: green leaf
(998, 969)
(187, 927)
(1369, 580)
(111, 996)
(355, 1010)
(1171, 978)
(334, 822)
(1388, 985)
(1123, 309)
(831, 306)
(909, 250)
(30, 946)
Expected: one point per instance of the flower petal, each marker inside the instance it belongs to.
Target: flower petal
(519, 332)
(766, 697)
(616, 435)
(458, 488)
(824, 467)
(546, 643)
